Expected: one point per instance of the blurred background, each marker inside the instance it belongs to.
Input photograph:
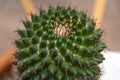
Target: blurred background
(12, 14)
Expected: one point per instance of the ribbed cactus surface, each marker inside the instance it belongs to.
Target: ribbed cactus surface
(59, 44)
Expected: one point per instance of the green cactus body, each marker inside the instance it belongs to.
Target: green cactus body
(60, 44)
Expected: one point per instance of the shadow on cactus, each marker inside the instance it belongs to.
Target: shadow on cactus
(60, 44)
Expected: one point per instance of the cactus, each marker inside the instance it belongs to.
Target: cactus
(59, 44)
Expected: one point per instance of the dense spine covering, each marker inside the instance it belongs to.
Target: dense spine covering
(60, 44)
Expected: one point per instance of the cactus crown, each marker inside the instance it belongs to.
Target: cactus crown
(60, 44)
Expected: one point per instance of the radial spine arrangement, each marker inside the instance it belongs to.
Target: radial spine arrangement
(59, 44)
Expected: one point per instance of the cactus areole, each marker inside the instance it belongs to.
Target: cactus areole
(59, 44)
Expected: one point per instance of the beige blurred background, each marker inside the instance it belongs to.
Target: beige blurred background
(12, 14)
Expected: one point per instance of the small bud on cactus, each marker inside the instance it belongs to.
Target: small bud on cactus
(60, 44)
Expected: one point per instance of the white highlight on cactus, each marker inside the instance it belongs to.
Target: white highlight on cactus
(61, 30)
